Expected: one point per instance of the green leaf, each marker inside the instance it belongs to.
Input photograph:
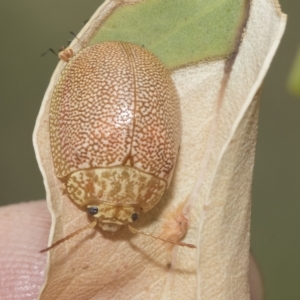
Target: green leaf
(178, 32)
(294, 78)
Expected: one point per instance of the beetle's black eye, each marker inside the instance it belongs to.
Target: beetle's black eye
(134, 216)
(93, 210)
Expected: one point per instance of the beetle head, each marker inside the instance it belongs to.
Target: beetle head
(112, 217)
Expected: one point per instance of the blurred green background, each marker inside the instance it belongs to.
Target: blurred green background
(28, 28)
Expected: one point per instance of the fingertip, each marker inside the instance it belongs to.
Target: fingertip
(24, 230)
(255, 280)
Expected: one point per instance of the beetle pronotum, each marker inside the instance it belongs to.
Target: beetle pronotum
(114, 132)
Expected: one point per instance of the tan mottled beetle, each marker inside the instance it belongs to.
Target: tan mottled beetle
(114, 131)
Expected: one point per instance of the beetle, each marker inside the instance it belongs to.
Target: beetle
(114, 131)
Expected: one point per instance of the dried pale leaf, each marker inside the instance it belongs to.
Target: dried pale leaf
(209, 196)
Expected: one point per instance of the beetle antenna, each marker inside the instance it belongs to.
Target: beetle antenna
(134, 230)
(91, 225)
